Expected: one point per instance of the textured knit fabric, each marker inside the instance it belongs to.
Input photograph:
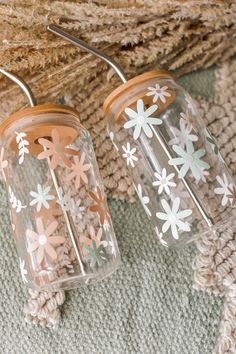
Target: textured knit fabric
(147, 307)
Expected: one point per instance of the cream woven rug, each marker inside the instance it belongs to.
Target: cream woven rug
(215, 264)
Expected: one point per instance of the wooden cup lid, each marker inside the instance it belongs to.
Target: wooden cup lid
(36, 131)
(130, 85)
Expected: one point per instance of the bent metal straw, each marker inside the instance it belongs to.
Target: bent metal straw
(58, 207)
(177, 170)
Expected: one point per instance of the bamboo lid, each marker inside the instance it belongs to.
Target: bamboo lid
(37, 110)
(36, 131)
(130, 85)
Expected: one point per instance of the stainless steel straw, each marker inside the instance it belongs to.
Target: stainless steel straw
(69, 223)
(79, 43)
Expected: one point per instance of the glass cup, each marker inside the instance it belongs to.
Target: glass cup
(178, 172)
(58, 208)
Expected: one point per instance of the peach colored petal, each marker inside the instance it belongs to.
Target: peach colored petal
(51, 251)
(44, 154)
(99, 193)
(51, 228)
(56, 240)
(70, 151)
(94, 208)
(86, 240)
(92, 231)
(99, 234)
(40, 227)
(54, 161)
(49, 214)
(66, 140)
(55, 137)
(40, 255)
(102, 217)
(65, 160)
(45, 142)
(93, 196)
(33, 247)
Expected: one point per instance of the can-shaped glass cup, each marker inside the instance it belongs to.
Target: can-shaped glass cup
(58, 207)
(177, 169)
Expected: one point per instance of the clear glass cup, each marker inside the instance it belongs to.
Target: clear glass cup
(177, 169)
(58, 208)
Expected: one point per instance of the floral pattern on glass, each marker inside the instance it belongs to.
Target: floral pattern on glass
(42, 242)
(158, 93)
(15, 202)
(142, 120)
(173, 218)
(51, 213)
(182, 135)
(190, 160)
(78, 170)
(100, 206)
(56, 149)
(224, 189)
(188, 119)
(41, 197)
(163, 181)
(129, 155)
(23, 145)
(212, 141)
(94, 248)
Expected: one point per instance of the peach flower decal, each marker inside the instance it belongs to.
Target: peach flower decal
(43, 240)
(56, 149)
(78, 170)
(100, 206)
(51, 213)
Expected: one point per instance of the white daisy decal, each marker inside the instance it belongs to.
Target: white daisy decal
(41, 197)
(159, 93)
(183, 135)
(129, 155)
(224, 188)
(23, 271)
(164, 181)
(144, 199)
(172, 218)
(190, 160)
(142, 120)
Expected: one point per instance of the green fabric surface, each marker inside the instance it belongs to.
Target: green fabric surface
(147, 307)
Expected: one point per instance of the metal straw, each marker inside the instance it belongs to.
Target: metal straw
(79, 43)
(23, 85)
(69, 222)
